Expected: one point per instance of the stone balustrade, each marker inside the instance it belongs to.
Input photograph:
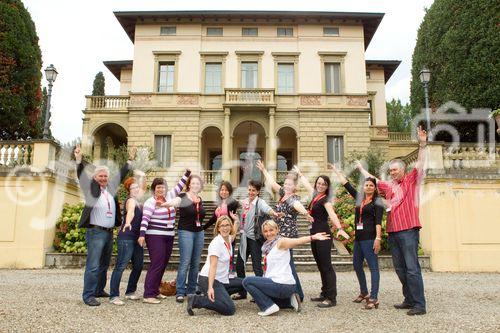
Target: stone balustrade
(16, 153)
(107, 102)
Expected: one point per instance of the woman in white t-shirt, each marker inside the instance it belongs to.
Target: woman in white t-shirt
(277, 287)
(213, 280)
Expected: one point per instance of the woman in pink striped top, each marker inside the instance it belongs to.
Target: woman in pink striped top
(157, 231)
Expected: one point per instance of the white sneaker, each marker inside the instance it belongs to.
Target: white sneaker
(160, 296)
(295, 302)
(132, 297)
(269, 311)
(151, 301)
(116, 301)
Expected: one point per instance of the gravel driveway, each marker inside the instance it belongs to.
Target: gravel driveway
(49, 300)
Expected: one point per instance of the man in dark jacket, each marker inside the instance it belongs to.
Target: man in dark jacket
(100, 215)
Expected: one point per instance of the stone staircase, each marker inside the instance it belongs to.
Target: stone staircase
(304, 260)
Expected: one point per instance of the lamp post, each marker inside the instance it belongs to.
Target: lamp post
(50, 75)
(425, 77)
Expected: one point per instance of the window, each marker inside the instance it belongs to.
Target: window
(285, 78)
(213, 77)
(249, 74)
(370, 106)
(285, 32)
(214, 31)
(284, 160)
(330, 31)
(163, 145)
(249, 31)
(335, 147)
(166, 76)
(368, 75)
(332, 78)
(168, 31)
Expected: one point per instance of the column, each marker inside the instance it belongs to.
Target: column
(226, 146)
(271, 145)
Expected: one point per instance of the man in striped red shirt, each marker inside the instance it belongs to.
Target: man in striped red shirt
(403, 226)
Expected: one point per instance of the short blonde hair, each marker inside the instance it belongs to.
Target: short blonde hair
(218, 223)
(269, 223)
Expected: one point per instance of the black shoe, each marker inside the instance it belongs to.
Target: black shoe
(318, 299)
(179, 298)
(416, 312)
(102, 294)
(190, 301)
(403, 306)
(92, 302)
(327, 304)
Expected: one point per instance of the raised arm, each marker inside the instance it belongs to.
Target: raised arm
(83, 178)
(289, 243)
(304, 180)
(422, 143)
(363, 171)
(180, 185)
(335, 220)
(267, 176)
(297, 205)
(340, 177)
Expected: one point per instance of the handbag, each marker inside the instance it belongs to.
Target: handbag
(258, 221)
(167, 288)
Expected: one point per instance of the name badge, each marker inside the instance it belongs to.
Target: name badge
(359, 226)
(310, 226)
(109, 215)
(198, 224)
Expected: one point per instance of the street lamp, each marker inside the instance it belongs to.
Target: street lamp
(425, 77)
(50, 75)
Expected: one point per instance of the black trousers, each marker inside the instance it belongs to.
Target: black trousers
(322, 252)
(223, 303)
(255, 251)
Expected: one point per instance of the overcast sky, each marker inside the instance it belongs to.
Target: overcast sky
(77, 36)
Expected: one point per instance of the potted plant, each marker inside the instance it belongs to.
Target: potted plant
(496, 114)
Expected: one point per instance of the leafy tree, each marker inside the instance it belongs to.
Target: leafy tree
(20, 72)
(399, 116)
(459, 41)
(99, 83)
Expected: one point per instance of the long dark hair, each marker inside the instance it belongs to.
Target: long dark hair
(326, 179)
(375, 193)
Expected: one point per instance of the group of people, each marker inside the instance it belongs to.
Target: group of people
(266, 234)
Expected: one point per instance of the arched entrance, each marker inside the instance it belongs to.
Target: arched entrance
(106, 138)
(286, 152)
(211, 154)
(249, 142)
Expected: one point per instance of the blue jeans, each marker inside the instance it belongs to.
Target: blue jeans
(404, 249)
(190, 248)
(266, 293)
(223, 303)
(128, 249)
(99, 249)
(364, 250)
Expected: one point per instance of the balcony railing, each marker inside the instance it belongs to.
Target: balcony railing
(399, 136)
(107, 102)
(210, 177)
(16, 153)
(249, 96)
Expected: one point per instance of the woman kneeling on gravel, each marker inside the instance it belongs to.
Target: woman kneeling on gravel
(213, 280)
(276, 289)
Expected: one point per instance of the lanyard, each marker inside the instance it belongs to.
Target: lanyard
(316, 199)
(246, 209)
(228, 247)
(196, 203)
(363, 204)
(105, 194)
(264, 263)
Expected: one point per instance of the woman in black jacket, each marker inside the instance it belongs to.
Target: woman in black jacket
(368, 222)
(226, 205)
